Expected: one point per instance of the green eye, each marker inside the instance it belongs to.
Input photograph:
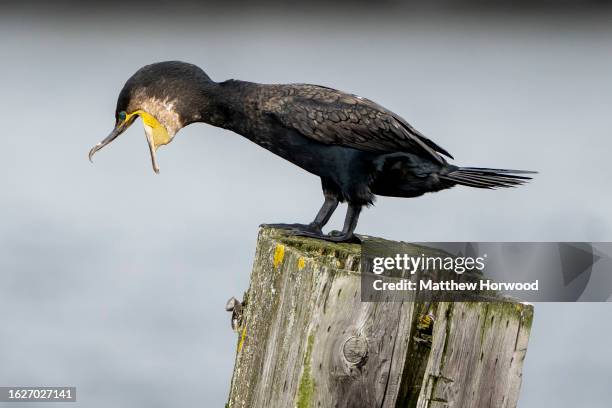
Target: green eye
(122, 116)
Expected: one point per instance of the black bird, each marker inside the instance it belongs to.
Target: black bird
(357, 147)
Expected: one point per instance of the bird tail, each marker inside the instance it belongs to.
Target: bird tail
(487, 178)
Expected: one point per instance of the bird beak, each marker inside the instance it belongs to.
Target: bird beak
(152, 149)
(119, 129)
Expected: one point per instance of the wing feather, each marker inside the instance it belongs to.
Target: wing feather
(333, 117)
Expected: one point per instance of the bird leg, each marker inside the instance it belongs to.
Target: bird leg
(350, 223)
(346, 235)
(327, 209)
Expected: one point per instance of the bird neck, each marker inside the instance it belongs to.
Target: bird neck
(226, 104)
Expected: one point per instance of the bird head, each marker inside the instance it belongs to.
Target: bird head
(166, 96)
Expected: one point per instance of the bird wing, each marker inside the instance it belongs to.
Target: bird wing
(333, 117)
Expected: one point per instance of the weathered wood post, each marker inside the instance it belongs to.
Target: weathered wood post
(305, 339)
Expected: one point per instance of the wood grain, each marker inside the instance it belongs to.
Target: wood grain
(307, 340)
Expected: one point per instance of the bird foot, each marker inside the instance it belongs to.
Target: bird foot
(334, 236)
(296, 228)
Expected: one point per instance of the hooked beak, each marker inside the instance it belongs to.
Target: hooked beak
(119, 129)
(157, 135)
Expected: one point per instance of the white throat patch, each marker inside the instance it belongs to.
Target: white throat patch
(163, 110)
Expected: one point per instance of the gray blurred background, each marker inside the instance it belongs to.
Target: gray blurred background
(113, 279)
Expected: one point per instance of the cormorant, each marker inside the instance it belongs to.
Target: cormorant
(357, 147)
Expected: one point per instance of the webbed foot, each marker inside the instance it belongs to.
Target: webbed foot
(334, 236)
(306, 228)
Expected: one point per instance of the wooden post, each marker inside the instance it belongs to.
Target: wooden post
(305, 339)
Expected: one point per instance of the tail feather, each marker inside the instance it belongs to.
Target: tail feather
(488, 170)
(487, 178)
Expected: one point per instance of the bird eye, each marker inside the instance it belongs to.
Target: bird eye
(122, 116)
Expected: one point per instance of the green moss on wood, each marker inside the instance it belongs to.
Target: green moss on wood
(331, 254)
(527, 316)
(307, 385)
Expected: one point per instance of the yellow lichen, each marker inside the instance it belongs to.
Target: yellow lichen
(279, 254)
(242, 337)
(301, 263)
